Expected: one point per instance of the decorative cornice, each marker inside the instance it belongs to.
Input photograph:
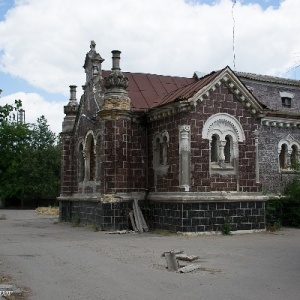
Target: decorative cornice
(236, 87)
(226, 77)
(169, 110)
(280, 122)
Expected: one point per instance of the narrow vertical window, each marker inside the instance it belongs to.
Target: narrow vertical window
(214, 149)
(227, 150)
(80, 164)
(283, 156)
(92, 161)
(294, 157)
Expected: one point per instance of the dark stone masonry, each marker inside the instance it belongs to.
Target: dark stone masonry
(197, 153)
(206, 217)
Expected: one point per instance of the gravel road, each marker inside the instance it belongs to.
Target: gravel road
(58, 261)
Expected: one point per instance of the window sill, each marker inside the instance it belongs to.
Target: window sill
(217, 169)
(289, 171)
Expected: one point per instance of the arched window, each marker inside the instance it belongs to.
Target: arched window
(288, 154)
(294, 157)
(214, 149)
(80, 163)
(224, 133)
(160, 148)
(90, 160)
(283, 156)
(227, 150)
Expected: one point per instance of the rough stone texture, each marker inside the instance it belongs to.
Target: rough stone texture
(221, 100)
(122, 154)
(205, 217)
(269, 94)
(270, 176)
(108, 216)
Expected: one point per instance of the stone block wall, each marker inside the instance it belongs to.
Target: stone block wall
(273, 181)
(206, 217)
(269, 94)
(107, 216)
(219, 101)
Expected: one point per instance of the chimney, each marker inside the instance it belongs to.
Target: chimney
(73, 94)
(116, 60)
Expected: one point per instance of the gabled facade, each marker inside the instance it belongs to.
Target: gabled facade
(196, 152)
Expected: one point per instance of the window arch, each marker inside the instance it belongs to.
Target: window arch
(228, 149)
(294, 157)
(160, 148)
(214, 148)
(283, 156)
(80, 165)
(288, 154)
(90, 160)
(223, 132)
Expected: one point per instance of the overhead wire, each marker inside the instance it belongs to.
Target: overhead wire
(233, 33)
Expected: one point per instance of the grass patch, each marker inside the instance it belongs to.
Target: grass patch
(226, 228)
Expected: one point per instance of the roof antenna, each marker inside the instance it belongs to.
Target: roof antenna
(233, 32)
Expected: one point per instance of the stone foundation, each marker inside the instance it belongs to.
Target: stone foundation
(207, 217)
(107, 216)
(178, 212)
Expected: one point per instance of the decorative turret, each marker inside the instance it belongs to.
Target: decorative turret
(116, 96)
(70, 110)
(92, 63)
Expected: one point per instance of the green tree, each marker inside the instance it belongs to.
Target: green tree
(29, 158)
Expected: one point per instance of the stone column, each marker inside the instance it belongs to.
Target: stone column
(256, 134)
(184, 156)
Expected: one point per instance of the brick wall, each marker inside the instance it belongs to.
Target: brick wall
(220, 101)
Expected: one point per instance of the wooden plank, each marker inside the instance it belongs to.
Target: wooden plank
(132, 221)
(143, 222)
(138, 222)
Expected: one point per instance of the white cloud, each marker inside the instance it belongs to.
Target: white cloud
(35, 106)
(45, 41)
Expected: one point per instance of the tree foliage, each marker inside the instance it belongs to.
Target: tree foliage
(29, 157)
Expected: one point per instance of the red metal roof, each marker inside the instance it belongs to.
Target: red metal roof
(190, 90)
(148, 90)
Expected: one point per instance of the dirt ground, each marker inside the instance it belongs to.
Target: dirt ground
(51, 260)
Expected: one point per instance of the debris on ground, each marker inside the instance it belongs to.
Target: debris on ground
(186, 257)
(189, 268)
(3, 217)
(173, 257)
(50, 210)
(5, 278)
(120, 232)
(137, 220)
(174, 251)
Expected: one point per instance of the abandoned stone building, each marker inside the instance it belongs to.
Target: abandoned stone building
(196, 152)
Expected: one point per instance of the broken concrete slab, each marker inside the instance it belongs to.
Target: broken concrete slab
(189, 268)
(172, 262)
(174, 251)
(185, 257)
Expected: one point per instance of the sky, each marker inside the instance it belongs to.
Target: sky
(43, 43)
